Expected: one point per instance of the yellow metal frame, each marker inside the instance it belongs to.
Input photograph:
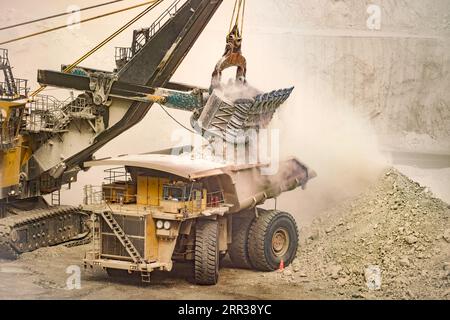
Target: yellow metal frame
(14, 158)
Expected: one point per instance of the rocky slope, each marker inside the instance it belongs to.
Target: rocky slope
(396, 226)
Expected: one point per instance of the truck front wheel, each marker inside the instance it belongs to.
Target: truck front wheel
(273, 237)
(206, 264)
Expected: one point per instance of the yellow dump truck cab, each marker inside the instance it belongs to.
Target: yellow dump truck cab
(180, 197)
(164, 209)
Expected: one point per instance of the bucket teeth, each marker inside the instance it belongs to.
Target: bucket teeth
(241, 115)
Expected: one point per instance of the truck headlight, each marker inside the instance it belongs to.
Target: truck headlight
(167, 225)
(159, 224)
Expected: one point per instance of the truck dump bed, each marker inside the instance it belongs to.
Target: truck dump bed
(244, 186)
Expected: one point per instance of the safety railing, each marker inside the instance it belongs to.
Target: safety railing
(79, 108)
(96, 195)
(144, 35)
(122, 56)
(20, 89)
(141, 37)
(117, 175)
(194, 205)
(118, 201)
(46, 113)
(214, 199)
(166, 16)
(93, 195)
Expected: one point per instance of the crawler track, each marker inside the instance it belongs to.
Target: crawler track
(31, 230)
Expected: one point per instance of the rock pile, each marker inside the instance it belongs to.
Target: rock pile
(396, 227)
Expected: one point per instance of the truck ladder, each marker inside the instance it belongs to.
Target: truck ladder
(145, 276)
(7, 71)
(123, 238)
(56, 198)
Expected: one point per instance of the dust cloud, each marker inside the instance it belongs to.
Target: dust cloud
(335, 142)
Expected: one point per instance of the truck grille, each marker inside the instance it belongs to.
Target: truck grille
(134, 228)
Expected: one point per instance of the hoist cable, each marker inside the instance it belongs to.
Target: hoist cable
(59, 15)
(75, 23)
(104, 42)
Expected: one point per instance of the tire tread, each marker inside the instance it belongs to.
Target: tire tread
(206, 253)
(239, 247)
(256, 238)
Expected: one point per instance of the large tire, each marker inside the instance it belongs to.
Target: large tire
(206, 264)
(238, 250)
(273, 237)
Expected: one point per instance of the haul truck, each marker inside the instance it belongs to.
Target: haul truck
(168, 208)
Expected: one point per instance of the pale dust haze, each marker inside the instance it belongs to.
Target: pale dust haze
(330, 138)
(340, 70)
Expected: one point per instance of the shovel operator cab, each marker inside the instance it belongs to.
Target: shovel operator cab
(167, 208)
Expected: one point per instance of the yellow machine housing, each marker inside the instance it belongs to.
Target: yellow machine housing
(150, 190)
(120, 192)
(14, 149)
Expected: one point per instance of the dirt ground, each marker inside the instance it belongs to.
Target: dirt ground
(397, 225)
(42, 275)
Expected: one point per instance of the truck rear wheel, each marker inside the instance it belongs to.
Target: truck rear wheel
(206, 264)
(273, 237)
(239, 246)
